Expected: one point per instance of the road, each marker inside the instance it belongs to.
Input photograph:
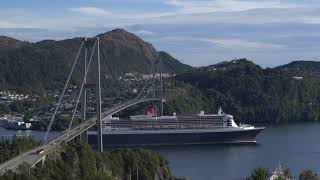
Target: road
(31, 157)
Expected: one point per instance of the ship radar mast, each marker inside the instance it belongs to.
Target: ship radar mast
(220, 111)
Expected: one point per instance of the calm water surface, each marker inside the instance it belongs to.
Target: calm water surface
(37, 135)
(296, 146)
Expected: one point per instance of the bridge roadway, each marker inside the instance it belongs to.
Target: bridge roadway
(32, 156)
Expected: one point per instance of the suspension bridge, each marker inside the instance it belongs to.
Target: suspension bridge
(91, 56)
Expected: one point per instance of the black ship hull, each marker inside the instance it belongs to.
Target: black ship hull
(146, 139)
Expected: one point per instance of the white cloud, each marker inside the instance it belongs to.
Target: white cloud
(243, 44)
(311, 20)
(306, 34)
(217, 29)
(144, 32)
(7, 24)
(189, 12)
(253, 16)
(235, 43)
(206, 6)
(139, 16)
(90, 10)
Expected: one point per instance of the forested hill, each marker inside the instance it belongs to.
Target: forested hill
(77, 161)
(252, 93)
(45, 64)
(301, 68)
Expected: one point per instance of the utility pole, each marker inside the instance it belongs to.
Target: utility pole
(98, 97)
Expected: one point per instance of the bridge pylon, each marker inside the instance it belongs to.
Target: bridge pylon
(83, 93)
(92, 52)
(98, 98)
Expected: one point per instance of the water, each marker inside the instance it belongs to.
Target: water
(296, 146)
(36, 135)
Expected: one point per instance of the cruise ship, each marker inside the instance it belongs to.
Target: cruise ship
(144, 130)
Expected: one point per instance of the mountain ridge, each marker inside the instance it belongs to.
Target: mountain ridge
(305, 68)
(45, 64)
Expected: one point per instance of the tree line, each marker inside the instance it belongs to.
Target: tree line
(253, 94)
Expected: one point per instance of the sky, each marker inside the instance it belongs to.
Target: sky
(196, 32)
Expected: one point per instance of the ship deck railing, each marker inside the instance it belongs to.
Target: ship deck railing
(153, 131)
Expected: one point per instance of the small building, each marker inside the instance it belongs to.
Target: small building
(14, 122)
(297, 77)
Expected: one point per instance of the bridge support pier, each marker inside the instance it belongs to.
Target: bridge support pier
(83, 137)
(39, 162)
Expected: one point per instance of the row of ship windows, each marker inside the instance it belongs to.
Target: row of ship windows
(175, 124)
(157, 122)
(168, 120)
(162, 126)
(144, 131)
(157, 129)
(207, 119)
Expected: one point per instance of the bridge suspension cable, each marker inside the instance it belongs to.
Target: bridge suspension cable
(109, 67)
(63, 92)
(146, 84)
(81, 88)
(141, 97)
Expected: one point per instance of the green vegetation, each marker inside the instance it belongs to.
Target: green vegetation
(301, 68)
(259, 174)
(18, 106)
(40, 106)
(180, 97)
(170, 64)
(243, 89)
(253, 94)
(308, 175)
(80, 161)
(26, 107)
(240, 87)
(35, 67)
(61, 123)
(184, 99)
(12, 148)
(4, 109)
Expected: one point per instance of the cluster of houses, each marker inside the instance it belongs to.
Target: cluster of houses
(14, 122)
(137, 76)
(13, 96)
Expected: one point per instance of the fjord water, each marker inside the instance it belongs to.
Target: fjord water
(296, 146)
(36, 135)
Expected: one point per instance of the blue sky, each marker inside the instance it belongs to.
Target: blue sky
(197, 32)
